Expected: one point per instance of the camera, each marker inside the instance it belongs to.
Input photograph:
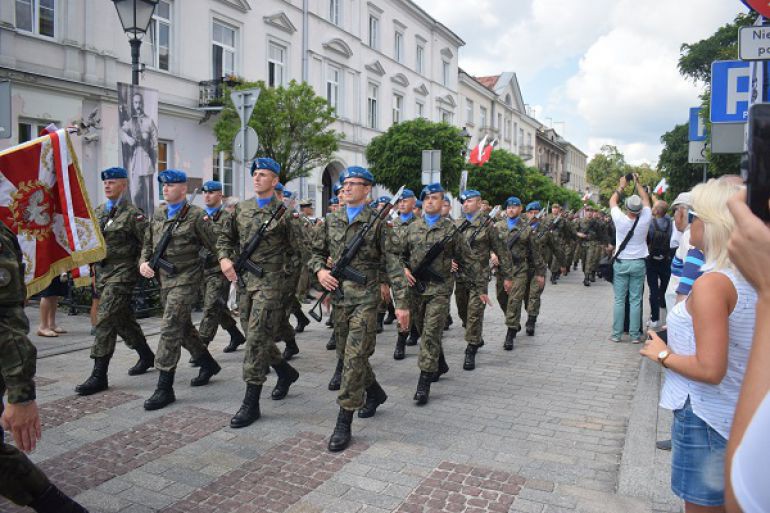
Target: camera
(757, 173)
(630, 177)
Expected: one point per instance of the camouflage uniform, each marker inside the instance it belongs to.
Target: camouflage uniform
(562, 234)
(355, 315)
(544, 242)
(400, 227)
(263, 295)
(592, 244)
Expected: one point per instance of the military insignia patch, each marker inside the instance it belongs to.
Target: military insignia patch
(5, 277)
(139, 217)
(205, 218)
(295, 215)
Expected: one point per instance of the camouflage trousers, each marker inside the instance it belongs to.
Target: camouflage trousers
(471, 311)
(264, 322)
(215, 311)
(578, 253)
(412, 300)
(534, 293)
(511, 302)
(244, 309)
(591, 257)
(176, 328)
(20, 480)
(431, 316)
(115, 316)
(289, 304)
(355, 329)
(303, 283)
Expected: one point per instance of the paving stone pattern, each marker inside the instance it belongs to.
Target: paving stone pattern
(68, 409)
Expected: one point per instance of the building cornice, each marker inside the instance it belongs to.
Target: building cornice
(280, 20)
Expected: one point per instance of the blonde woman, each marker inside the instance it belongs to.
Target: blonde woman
(709, 338)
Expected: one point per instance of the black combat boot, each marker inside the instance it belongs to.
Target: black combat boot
(375, 396)
(531, 321)
(97, 381)
(592, 278)
(286, 376)
(380, 320)
(336, 382)
(554, 278)
(470, 357)
(236, 339)
(164, 393)
(249, 411)
(400, 353)
(443, 368)
(413, 336)
(509, 336)
(302, 320)
(586, 282)
(53, 500)
(340, 438)
(331, 345)
(209, 367)
(146, 360)
(329, 322)
(423, 388)
(449, 322)
(291, 349)
(391, 315)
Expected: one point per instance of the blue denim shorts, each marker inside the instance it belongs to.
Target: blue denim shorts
(697, 459)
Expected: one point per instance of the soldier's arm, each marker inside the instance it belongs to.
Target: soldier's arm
(536, 262)
(391, 249)
(227, 238)
(471, 267)
(139, 225)
(318, 251)
(147, 245)
(204, 228)
(17, 367)
(499, 248)
(557, 247)
(300, 236)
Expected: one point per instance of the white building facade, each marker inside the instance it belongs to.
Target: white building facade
(376, 62)
(575, 165)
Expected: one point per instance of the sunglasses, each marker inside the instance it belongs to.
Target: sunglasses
(691, 215)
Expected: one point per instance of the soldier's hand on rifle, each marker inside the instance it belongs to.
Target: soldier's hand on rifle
(385, 292)
(326, 280)
(23, 421)
(455, 267)
(410, 278)
(226, 265)
(402, 315)
(507, 286)
(145, 270)
(494, 260)
(540, 282)
(485, 299)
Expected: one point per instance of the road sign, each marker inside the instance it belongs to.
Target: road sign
(727, 137)
(730, 91)
(5, 110)
(761, 6)
(754, 43)
(697, 153)
(245, 145)
(697, 126)
(431, 166)
(244, 101)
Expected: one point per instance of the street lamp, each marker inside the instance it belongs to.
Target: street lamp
(467, 136)
(135, 17)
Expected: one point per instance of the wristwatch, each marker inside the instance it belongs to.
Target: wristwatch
(662, 357)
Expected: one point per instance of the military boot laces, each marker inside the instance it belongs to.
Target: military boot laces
(53, 500)
(164, 393)
(509, 336)
(249, 411)
(375, 396)
(97, 381)
(531, 325)
(423, 388)
(400, 352)
(146, 360)
(290, 350)
(331, 345)
(286, 376)
(340, 438)
(209, 367)
(336, 382)
(236, 339)
(443, 368)
(470, 357)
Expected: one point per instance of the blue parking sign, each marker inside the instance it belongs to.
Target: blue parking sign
(730, 91)
(697, 126)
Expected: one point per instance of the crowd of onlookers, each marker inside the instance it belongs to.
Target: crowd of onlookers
(713, 279)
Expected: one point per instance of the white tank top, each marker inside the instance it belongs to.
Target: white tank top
(714, 404)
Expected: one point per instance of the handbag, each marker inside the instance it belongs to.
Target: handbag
(606, 264)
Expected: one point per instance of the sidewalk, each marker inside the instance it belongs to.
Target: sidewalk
(567, 422)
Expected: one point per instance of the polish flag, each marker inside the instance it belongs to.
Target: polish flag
(488, 152)
(662, 187)
(477, 153)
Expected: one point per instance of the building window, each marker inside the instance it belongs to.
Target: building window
(223, 50)
(374, 32)
(516, 140)
(468, 111)
(483, 117)
(333, 78)
(371, 106)
(446, 116)
(445, 73)
(223, 171)
(398, 46)
(529, 137)
(276, 65)
(419, 109)
(507, 129)
(334, 11)
(29, 130)
(36, 16)
(419, 65)
(163, 163)
(398, 108)
(499, 122)
(160, 35)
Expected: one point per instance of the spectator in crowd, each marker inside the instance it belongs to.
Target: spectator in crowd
(629, 267)
(748, 449)
(659, 259)
(49, 301)
(703, 378)
(680, 241)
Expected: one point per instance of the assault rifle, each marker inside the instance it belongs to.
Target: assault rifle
(487, 221)
(156, 260)
(243, 262)
(342, 269)
(423, 273)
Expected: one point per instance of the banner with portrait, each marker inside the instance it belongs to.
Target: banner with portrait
(138, 134)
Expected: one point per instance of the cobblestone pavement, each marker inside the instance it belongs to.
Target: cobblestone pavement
(547, 428)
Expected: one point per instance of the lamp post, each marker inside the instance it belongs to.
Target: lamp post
(467, 136)
(135, 17)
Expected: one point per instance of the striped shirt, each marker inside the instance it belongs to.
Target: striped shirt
(714, 404)
(691, 270)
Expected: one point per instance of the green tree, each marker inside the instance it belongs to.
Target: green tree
(606, 168)
(292, 124)
(673, 162)
(395, 157)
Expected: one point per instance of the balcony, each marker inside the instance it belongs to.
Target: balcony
(526, 151)
(211, 94)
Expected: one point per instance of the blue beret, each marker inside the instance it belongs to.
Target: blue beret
(287, 193)
(279, 187)
(430, 189)
(265, 163)
(535, 205)
(383, 199)
(334, 201)
(336, 188)
(357, 172)
(470, 193)
(513, 201)
(114, 172)
(407, 193)
(418, 203)
(172, 176)
(212, 186)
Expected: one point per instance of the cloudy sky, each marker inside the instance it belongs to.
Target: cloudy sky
(600, 71)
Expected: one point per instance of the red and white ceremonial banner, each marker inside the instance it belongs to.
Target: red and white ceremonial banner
(43, 200)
